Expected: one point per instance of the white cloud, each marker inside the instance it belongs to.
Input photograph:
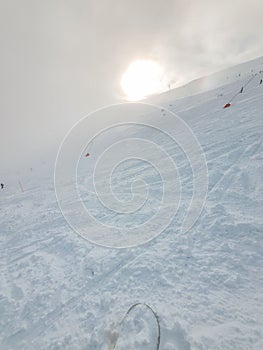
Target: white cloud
(60, 60)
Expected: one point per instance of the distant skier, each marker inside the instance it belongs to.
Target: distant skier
(2, 186)
(261, 81)
(241, 90)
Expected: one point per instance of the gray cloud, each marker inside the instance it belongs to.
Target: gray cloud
(61, 59)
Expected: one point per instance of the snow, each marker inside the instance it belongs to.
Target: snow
(60, 291)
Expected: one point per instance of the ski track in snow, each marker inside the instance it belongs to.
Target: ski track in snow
(59, 291)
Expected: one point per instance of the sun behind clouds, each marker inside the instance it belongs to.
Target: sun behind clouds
(141, 79)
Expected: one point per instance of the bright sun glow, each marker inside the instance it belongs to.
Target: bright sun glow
(141, 79)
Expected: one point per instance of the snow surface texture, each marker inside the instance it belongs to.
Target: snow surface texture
(59, 291)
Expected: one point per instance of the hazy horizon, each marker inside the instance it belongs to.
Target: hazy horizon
(61, 60)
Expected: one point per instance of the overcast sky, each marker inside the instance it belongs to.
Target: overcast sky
(61, 59)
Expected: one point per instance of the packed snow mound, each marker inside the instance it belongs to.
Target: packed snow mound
(59, 291)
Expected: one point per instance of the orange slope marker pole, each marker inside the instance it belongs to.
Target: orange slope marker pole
(248, 82)
(20, 186)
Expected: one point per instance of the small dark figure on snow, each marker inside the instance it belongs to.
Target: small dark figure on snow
(2, 186)
(261, 81)
(241, 90)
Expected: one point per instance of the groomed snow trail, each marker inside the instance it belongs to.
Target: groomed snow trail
(58, 291)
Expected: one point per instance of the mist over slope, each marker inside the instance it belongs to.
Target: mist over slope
(60, 291)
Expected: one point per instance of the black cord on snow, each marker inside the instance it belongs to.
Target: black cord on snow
(157, 321)
(254, 75)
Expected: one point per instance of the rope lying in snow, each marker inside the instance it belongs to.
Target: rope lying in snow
(157, 321)
(254, 75)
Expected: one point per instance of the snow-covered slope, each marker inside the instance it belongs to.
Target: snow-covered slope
(240, 74)
(59, 291)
